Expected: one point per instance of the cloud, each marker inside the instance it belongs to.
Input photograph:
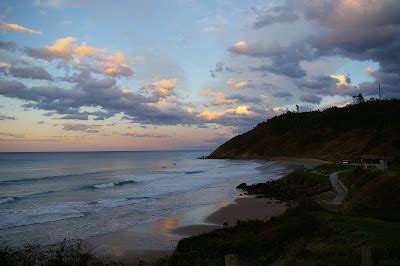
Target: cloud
(58, 3)
(277, 109)
(241, 110)
(17, 28)
(64, 48)
(237, 84)
(311, 98)
(218, 97)
(103, 94)
(163, 88)
(4, 67)
(139, 134)
(30, 73)
(214, 23)
(275, 15)
(283, 94)
(12, 135)
(341, 80)
(221, 68)
(282, 60)
(6, 117)
(328, 85)
(244, 99)
(114, 65)
(76, 117)
(81, 127)
(257, 49)
(100, 60)
(281, 67)
(8, 46)
(359, 30)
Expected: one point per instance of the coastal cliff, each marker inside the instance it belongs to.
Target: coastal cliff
(372, 127)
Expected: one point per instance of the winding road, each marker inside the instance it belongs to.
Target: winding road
(340, 189)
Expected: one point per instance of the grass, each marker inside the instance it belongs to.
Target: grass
(372, 194)
(327, 169)
(308, 179)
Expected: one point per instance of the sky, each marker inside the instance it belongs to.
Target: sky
(82, 75)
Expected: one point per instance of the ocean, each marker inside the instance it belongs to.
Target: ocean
(46, 197)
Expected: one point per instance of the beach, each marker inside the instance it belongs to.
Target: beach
(135, 245)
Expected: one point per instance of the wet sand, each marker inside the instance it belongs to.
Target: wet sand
(243, 208)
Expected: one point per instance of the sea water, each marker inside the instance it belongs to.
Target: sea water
(46, 197)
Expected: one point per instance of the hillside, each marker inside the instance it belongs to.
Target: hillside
(372, 127)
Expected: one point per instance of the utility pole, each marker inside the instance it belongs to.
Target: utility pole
(380, 96)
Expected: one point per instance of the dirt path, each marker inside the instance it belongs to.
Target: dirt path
(340, 189)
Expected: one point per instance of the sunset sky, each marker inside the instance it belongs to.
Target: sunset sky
(183, 74)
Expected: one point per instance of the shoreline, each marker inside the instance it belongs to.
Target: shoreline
(249, 206)
(241, 209)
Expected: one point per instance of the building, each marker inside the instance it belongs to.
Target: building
(375, 161)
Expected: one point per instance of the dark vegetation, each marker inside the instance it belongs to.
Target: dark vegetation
(293, 186)
(372, 194)
(372, 127)
(64, 253)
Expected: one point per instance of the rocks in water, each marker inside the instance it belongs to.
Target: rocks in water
(242, 186)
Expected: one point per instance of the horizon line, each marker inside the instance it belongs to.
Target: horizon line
(86, 151)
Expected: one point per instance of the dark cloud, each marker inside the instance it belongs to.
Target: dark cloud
(328, 85)
(317, 82)
(13, 135)
(244, 99)
(76, 117)
(359, 30)
(282, 60)
(97, 93)
(283, 94)
(311, 98)
(6, 117)
(30, 73)
(257, 49)
(292, 70)
(221, 68)
(45, 54)
(275, 15)
(144, 135)
(8, 46)
(81, 127)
